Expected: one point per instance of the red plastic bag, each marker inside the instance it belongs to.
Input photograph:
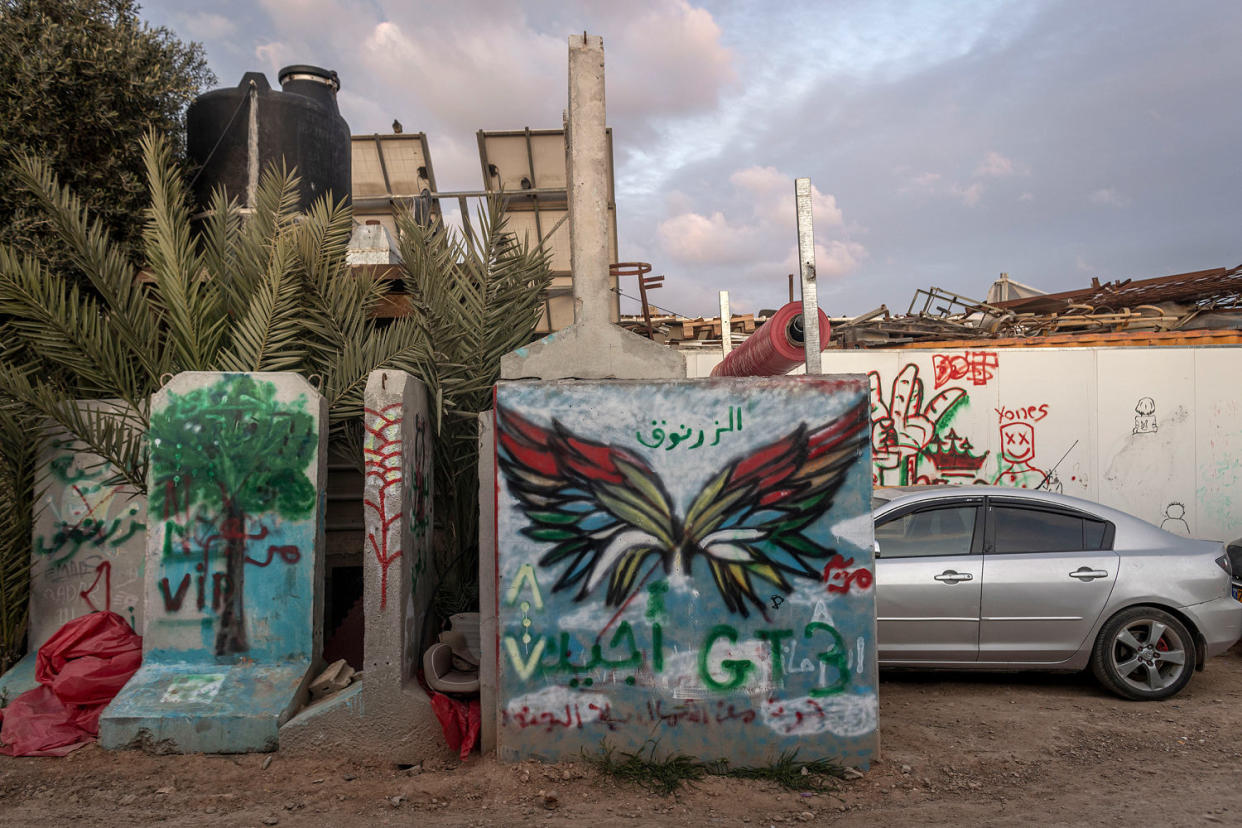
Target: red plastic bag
(80, 668)
(459, 721)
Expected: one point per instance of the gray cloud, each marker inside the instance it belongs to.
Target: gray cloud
(957, 139)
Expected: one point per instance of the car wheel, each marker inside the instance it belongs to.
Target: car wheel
(1144, 654)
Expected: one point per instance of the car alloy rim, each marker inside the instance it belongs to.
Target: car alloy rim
(1148, 655)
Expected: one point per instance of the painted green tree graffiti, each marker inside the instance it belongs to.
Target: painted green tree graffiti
(234, 452)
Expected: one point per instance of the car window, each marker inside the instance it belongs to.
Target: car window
(1019, 529)
(947, 530)
(1094, 533)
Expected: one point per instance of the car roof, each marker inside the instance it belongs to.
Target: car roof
(1132, 531)
(892, 495)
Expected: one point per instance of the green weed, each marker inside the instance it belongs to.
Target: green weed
(789, 773)
(664, 776)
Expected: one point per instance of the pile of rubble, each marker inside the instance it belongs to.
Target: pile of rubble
(1204, 305)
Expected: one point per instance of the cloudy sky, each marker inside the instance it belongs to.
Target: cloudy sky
(947, 141)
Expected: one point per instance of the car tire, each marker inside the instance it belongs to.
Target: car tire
(1127, 660)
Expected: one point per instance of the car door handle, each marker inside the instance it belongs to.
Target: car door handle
(1086, 573)
(951, 577)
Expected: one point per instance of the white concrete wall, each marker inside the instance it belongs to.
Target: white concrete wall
(1156, 432)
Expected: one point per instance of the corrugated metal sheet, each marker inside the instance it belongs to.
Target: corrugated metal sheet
(1189, 288)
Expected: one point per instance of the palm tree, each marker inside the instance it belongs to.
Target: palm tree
(477, 296)
(272, 292)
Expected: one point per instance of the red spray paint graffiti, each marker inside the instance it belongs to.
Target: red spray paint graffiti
(104, 571)
(382, 461)
(1017, 455)
(976, 366)
(839, 577)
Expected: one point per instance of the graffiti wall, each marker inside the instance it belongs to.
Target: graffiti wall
(686, 564)
(88, 546)
(234, 488)
(1152, 431)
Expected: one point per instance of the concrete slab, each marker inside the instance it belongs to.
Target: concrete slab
(88, 550)
(203, 707)
(234, 564)
(593, 350)
(686, 564)
(391, 709)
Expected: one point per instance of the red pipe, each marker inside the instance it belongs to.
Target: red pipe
(773, 349)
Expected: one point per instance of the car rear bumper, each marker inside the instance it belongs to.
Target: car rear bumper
(1219, 621)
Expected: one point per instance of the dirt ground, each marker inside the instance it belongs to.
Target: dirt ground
(956, 750)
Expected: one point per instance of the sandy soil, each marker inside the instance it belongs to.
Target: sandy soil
(957, 750)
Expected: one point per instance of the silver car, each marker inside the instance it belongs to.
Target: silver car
(985, 577)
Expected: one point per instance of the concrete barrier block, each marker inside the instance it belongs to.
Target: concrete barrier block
(234, 564)
(88, 550)
(687, 564)
(391, 709)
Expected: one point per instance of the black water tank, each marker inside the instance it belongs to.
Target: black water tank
(301, 123)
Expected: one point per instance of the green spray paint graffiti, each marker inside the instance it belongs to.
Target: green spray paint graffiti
(621, 656)
(913, 441)
(222, 458)
(905, 432)
(83, 512)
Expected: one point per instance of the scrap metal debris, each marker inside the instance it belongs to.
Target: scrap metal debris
(1201, 305)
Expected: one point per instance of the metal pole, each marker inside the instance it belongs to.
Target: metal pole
(726, 333)
(642, 292)
(806, 265)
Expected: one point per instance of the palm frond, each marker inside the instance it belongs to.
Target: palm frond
(132, 318)
(339, 304)
(193, 310)
(273, 213)
(476, 297)
(115, 433)
(267, 337)
(61, 325)
(400, 346)
(221, 232)
(266, 334)
(19, 448)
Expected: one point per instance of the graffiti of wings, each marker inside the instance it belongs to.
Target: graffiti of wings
(604, 512)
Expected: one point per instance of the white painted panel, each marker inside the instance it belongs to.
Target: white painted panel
(1218, 443)
(1044, 421)
(1156, 432)
(1146, 426)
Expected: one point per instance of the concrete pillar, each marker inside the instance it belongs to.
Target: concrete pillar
(591, 348)
(607, 633)
(586, 145)
(387, 715)
(396, 509)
